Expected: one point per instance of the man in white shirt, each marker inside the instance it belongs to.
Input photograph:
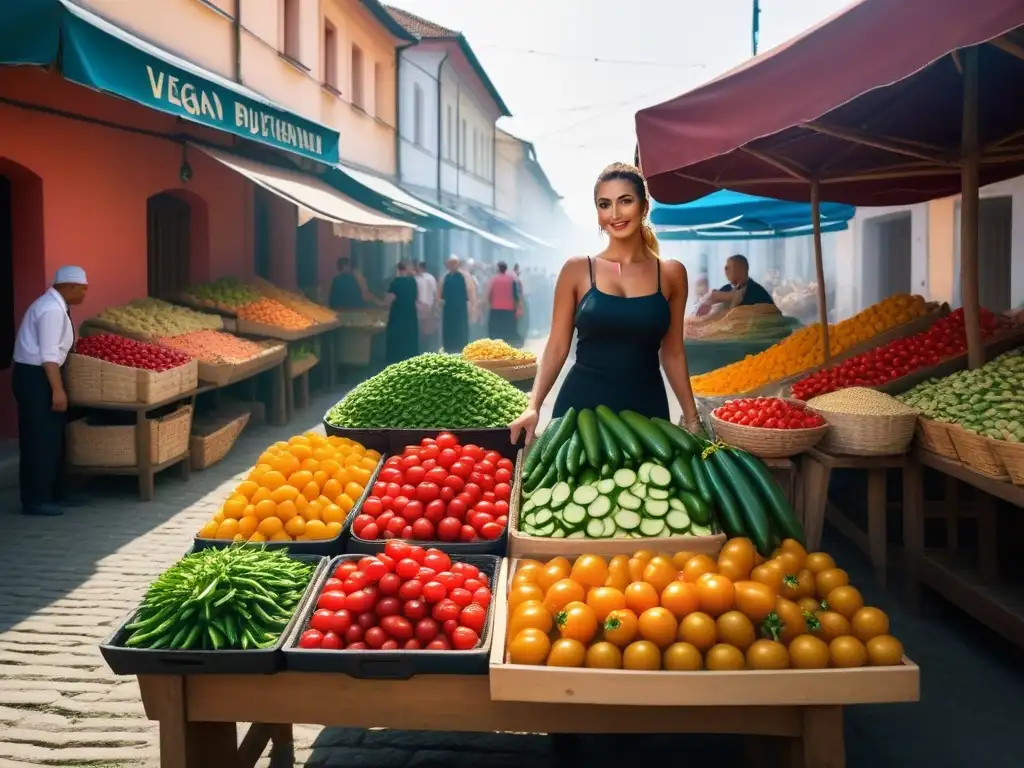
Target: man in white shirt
(426, 298)
(45, 337)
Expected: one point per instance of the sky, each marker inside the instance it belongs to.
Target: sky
(574, 72)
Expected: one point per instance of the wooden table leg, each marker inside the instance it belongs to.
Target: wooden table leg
(913, 530)
(988, 537)
(950, 504)
(822, 744)
(816, 478)
(279, 383)
(289, 389)
(282, 746)
(877, 533)
(185, 744)
(143, 457)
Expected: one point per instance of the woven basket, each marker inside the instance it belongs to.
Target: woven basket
(976, 453)
(497, 366)
(94, 445)
(207, 449)
(867, 435)
(91, 380)
(518, 372)
(1011, 455)
(933, 436)
(768, 443)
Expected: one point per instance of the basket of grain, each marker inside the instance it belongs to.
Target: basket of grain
(865, 422)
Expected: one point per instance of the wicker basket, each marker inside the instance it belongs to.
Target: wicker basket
(95, 445)
(1011, 455)
(933, 436)
(209, 447)
(768, 443)
(91, 380)
(976, 453)
(867, 435)
(498, 366)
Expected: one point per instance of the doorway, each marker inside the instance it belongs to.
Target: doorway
(261, 233)
(169, 244)
(995, 231)
(307, 259)
(886, 266)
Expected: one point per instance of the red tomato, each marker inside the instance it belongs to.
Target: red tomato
(473, 491)
(331, 642)
(492, 457)
(501, 520)
(413, 511)
(375, 569)
(370, 532)
(391, 475)
(415, 609)
(332, 601)
(461, 597)
(450, 580)
(340, 622)
(354, 634)
(358, 603)
(332, 585)
(393, 461)
(474, 616)
(344, 570)
(482, 597)
(435, 511)
(436, 559)
(423, 530)
(415, 475)
(486, 467)
(448, 529)
(311, 638)
(447, 494)
(409, 491)
(491, 531)
(426, 630)
(454, 482)
(375, 637)
(503, 475)
(474, 452)
(426, 492)
(425, 574)
(390, 584)
(396, 525)
(430, 452)
(368, 619)
(388, 606)
(434, 592)
(321, 620)
(468, 571)
(398, 627)
(464, 638)
(461, 469)
(407, 568)
(390, 645)
(439, 643)
(416, 553)
(437, 476)
(457, 508)
(410, 461)
(479, 519)
(447, 458)
(412, 644)
(446, 610)
(372, 506)
(387, 560)
(394, 489)
(429, 464)
(467, 533)
(446, 440)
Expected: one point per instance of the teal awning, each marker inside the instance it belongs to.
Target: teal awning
(95, 53)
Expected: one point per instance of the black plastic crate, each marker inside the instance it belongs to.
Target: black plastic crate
(395, 440)
(165, 661)
(398, 664)
(326, 547)
(498, 546)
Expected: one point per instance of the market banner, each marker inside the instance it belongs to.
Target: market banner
(93, 52)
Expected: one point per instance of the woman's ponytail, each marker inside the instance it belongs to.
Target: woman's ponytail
(650, 239)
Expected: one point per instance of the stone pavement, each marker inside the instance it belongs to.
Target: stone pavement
(65, 582)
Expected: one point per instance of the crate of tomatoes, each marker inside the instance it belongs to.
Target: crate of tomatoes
(768, 427)
(405, 611)
(439, 492)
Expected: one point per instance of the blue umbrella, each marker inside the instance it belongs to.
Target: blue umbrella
(727, 215)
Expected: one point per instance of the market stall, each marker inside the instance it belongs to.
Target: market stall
(514, 365)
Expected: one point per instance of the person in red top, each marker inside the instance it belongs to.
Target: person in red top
(503, 298)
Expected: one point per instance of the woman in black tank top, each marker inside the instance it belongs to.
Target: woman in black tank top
(627, 309)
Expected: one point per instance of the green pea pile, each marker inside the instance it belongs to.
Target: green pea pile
(430, 391)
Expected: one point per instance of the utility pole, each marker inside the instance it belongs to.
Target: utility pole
(756, 27)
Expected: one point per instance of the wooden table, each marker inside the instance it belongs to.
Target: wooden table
(968, 581)
(816, 471)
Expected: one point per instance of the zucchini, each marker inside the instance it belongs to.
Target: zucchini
(561, 436)
(695, 507)
(623, 435)
(546, 531)
(561, 468)
(660, 477)
(653, 439)
(600, 507)
(530, 504)
(587, 426)
(754, 514)
(700, 479)
(585, 495)
(575, 454)
(685, 443)
(533, 456)
(729, 514)
(625, 478)
(560, 495)
(627, 520)
(609, 448)
(682, 474)
(655, 508)
(677, 521)
(628, 501)
(779, 509)
(595, 529)
(652, 527)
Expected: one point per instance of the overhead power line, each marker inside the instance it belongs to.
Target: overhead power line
(593, 59)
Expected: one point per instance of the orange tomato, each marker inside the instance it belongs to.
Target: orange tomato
(660, 572)
(589, 570)
(731, 569)
(680, 597)
(680, 559)
(618, 573)
(819, 561)
(566, 652)
(577, 622)
(681, 657)
(767, 654)
(620, 627)
(533, 614)
(697, 566)
(734, 628)
(640, 596)
(715, 593)
(795, 548)
(523, 593)
(556, 570)
(847, 652)
(563, 592)
(724, 658)
(699, 630)
(797, 585)
(740, 552)
(658, 625)
(868, 623)
(604, 600)
(642, 655)
(845, 600)
(603, 655)
(530, 646)
(770, 574)
(754, 599)
(884, 651)
(636, 569)
(808, 652)
(827, 580)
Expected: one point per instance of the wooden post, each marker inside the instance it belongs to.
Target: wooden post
(819, 268)
(970, 158)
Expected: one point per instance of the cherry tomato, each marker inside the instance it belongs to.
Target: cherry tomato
(340, 622)
(437, 476)
(412, 644)
(448, 458)
(464, 638)
(368, 619)
(415, 475)
(434, 592)
(450, 580)
(435, 511)
(448, 529)
(439, 643)
(321, 620)
(467, 533)
(375, 570)
(332, 585)
(415, 609)
(391, 475)
(423, 530)
(331, 642)
(354, 634)
(407, 568)
(438, 560)
(345, 569)
(457, 508)
(332, 601)
(503, 491)
(491, 531)
(425, 574)
(492, 458)
(398, 627)
(311, 638)
(426, 630)
(446, 440)
(372, 506)
(375, 637)
(461, 470)
(482, 597)
(454, 482)
(473, 452)
(461, 597)
(446, 610)
(467, 570)
(502, 475)
(474, 616)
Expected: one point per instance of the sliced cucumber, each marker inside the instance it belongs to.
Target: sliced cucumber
(595, 529)
(541, 497)
(639, 490)
(652, 528)
(606, 470)
(609, 527)
(588, 476)
(546, 530)
(560, 495)
(577, 535)
(530, 504)
(677, 504)
(628, 501)
(600, 507)
(574, 515)
(627, 519)
(606, 487)
(558, 534)
(624, 478)
(585, 494)
(542, 517)
(655, 508)
(658, 493)
(530, 518)
(677, 520)
(660, 476)
(645, 472)
(700, 530)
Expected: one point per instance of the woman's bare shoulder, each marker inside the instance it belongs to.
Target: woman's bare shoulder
(674, 270)
(574, 265)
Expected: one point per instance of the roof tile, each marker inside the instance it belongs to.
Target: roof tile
(419, 26)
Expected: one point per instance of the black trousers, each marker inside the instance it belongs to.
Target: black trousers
(40, 435)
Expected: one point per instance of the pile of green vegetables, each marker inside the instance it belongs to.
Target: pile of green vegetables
(601, 474)
(430, 391)
(236, 598)
(987, 401)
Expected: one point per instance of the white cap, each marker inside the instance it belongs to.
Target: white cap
(70, 275)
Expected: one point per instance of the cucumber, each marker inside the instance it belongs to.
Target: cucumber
(682, 474)
(700, 530)
(542, 518)
(652, 528)
(561, 436)
(700, 479)
(625, 478)
(530, 504)
(755, 516)
(609, 527)
(558, 534)
(655, 508)
(639, 490)
(627, 520)
(600, 507)
(606, 470)
(660, 477)
(677, 521)
(584, 495)
(587, 426)
(624, 436)
(644, 473)
(546, 531)
(575, 454)
(729, 514)
(685, 443)
(695, 507)
(533, 456)
(577, 535)
(609, 448)
(561, 469)
(588, 476)
(675, 503)
(653, 439)
(779, 509)
(595, 529)
(549, 478)
(574, 515)
(658, 493)
(628, 501)
(560, 495)
(542, 497)
(606, 487)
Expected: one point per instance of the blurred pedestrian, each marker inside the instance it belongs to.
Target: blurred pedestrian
(426, 306)
(457, 295)
(403, 331)
(503, 297)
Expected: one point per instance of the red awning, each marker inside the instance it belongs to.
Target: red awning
(869, 102)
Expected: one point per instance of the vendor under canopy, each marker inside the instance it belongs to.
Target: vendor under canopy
(740, 291)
